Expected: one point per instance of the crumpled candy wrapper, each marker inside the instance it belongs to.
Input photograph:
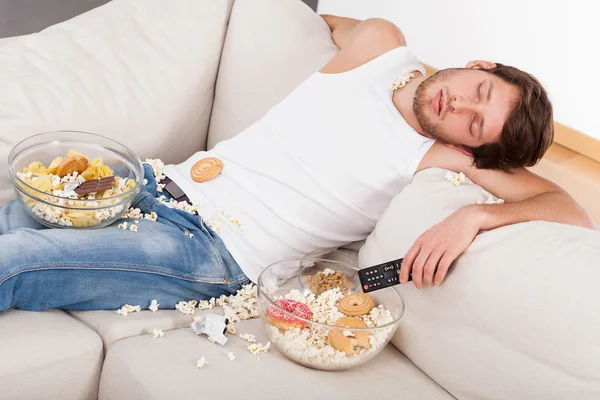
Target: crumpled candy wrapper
(212, 325)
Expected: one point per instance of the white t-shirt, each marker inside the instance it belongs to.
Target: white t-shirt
(316, 172)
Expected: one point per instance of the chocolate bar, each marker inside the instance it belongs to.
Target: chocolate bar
(95, 185)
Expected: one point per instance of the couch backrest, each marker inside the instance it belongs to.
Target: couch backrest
(518, 316)
(139, 71)
(270, 48)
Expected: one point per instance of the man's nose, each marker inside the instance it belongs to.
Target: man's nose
(460, 104)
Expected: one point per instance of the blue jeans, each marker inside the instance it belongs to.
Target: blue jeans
(106, 268)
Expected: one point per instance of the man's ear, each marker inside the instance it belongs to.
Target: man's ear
(462, 149)
(480, 64)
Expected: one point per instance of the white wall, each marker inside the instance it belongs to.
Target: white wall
(557, 41)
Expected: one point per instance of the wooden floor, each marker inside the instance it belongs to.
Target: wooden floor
(577, 174)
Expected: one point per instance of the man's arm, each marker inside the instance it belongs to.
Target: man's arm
(528, 198)
(360, 41)
(341, 28)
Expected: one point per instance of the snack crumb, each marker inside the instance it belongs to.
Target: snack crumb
(231, 356)
(153, 306)
(186, 307)
(231, 328)
(133, 228)
(454, 178)
(256, 348)
(248, 337)
(201, 362)
(156, 333)
(127, 309)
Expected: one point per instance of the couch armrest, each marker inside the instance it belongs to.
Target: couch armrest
(518, 315)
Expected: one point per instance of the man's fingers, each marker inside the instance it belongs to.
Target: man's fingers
(443, 266)
(409, 258)
(417, 268)
(431, 266)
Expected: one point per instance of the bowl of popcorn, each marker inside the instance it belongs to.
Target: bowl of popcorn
(315, 313)
(70, 179)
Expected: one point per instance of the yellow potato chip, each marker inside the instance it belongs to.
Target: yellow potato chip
(35, 167)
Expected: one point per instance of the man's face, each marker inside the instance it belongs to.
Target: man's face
(464, 107)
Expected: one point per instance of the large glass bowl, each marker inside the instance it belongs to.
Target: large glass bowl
(60, 212)
(315, 341)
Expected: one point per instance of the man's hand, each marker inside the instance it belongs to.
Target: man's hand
(432, 253)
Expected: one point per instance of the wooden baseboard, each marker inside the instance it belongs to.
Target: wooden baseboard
(563, 135)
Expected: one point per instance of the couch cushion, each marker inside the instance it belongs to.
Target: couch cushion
(138, 71)
(48, 355)
(266, 55)
(518, 316)
(7, 39)
(112, 327)
(167, 370)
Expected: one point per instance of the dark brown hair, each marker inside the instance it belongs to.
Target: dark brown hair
(529, 129)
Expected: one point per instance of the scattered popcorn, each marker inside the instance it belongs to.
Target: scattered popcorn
(186, 307)
(137, 221)
(231, 328)
(178, 205)
(133, 228)
(157, 333)
(231, 356)
(242, 306)
(490, 200)
(215, 224)
(454, 178)
(190, 235)
(122, 226)
(202, 362)
(236, 222)
(248, 337)
(206, 305)
(153, 306)
(132, 213)
(256, 348)
(157, 167)
(152, 216)
(400, 83)
(127, 309)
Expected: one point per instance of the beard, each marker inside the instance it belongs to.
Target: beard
(422, 101)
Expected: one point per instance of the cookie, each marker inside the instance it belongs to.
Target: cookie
(206, 169)
(72, 164)
(356, 304)
(357, 338)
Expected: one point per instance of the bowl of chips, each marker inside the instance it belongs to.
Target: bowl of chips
(71, 179)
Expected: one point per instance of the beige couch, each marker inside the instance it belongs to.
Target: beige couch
(517, 318)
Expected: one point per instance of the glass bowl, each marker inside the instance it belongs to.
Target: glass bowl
(309, 328)
(56, 211)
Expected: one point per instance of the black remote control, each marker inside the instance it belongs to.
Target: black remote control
(381, 276)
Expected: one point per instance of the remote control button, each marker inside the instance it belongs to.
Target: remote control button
(366, 287)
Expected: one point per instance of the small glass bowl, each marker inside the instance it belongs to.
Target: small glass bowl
(308, 341)
(58, 212)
